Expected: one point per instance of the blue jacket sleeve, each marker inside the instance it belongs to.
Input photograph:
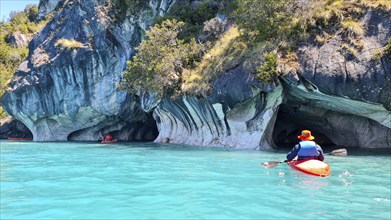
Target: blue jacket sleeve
(321, 156)
(293, 153)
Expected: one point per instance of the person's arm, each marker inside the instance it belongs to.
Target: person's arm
(293, 153)
(321, 155)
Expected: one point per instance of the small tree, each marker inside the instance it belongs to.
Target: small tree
(161, 58)
(125, 7)
(267, 72)
(32, 12)
(262, 18)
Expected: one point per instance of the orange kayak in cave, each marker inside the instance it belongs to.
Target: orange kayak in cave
(312, 167)
(108, 142)
(19, 139)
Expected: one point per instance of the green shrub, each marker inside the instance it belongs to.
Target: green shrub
(186, 12)
(330, 11)
(377, 4)
(11, 57)
(353, 28)
(387, 49)
(32, 12)
(125, 7)
(293, 20)
(262, 19)
(3, 114)
(68, 44)
(348, 51)
(267, 72)
(377, 54)
(383, 52)
(193, 16)
(161, 60)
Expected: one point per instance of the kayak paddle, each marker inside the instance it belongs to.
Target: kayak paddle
(272, 164)
(339, 152)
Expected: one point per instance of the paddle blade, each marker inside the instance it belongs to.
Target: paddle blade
(270, 164)
(339, 152)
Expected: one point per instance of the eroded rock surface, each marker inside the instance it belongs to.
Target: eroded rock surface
(12, 128)
(64, 92)
(345, 98)
(238, 114)
(67, 87)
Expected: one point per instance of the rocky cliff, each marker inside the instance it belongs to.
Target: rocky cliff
(238, 114)
(46, 7)
(344, 100)
(69, 92)
(67, 87)
(11, 128)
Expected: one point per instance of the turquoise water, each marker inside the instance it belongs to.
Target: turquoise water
(151, 181)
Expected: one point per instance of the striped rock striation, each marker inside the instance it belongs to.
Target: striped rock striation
(67, 89)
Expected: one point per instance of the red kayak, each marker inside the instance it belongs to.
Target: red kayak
(311, 166)
(19, 139)
(108, 142)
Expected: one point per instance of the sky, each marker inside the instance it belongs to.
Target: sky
(6, 6)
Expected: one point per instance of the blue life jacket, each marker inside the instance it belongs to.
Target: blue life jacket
(308, 149)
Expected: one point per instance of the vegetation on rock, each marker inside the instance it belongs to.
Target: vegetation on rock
(192, 16)
(160, 61)
(66, 44)
(196, 41)
(23, 24)
(383, 52)
(267, 72)
(262, 36)
(124, 8)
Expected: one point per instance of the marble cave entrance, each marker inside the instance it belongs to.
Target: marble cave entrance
(291, 119)
(143, 130)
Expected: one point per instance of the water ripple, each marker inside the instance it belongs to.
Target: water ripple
(147, 181)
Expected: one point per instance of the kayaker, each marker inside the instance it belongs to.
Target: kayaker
(306, 148)
(107, 137)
